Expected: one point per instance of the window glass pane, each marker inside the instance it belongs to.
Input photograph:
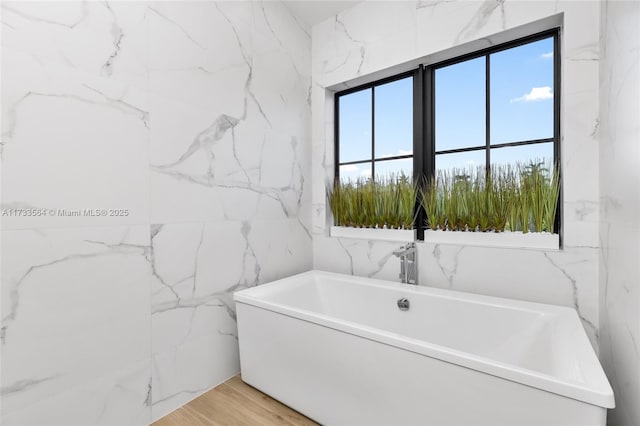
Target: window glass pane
(522, 92)
(355, 126)
(523, 154)
(395, 167)
(394, 118)
(460, 105)
(355, 171)
(461, 160)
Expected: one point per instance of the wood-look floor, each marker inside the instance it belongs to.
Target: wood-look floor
(234, 403)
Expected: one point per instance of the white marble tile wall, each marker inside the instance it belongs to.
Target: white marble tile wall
(373, 36)
(620, 205)
(75, 121)
(229, 90)
(75, 331)
(193, 116)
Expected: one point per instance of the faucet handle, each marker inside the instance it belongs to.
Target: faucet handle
(399, 252)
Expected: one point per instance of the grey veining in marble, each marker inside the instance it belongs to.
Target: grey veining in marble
(192, 115)
(619, 237)
(481, 18)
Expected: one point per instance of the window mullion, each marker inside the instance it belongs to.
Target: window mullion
(427, 127)
(373, 134)
(429, 117)
(556, 131)
(336, 138)
(418, 126)
(419, 172)
(487, 113)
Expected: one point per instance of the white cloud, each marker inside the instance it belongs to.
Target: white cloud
(405, 152)
(535, 94)
(365, 172)
(548, 55)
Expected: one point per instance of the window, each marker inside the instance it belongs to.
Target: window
(495, 108)
(375, 129)
(492, 107)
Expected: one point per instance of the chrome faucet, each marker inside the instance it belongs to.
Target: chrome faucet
(408, 263)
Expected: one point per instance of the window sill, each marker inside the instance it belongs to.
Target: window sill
(400, 235)
(530, 240)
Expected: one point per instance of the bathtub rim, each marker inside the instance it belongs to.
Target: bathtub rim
(599, 394)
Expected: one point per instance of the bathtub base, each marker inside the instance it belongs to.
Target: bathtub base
(338, 378)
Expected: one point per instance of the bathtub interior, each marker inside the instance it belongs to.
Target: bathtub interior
(539, 338)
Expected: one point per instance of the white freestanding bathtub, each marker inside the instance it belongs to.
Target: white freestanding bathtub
(338, 349)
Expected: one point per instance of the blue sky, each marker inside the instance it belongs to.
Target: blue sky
(521, 109)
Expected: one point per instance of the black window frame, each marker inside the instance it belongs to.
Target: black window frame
(372, 159)
(424, 153)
